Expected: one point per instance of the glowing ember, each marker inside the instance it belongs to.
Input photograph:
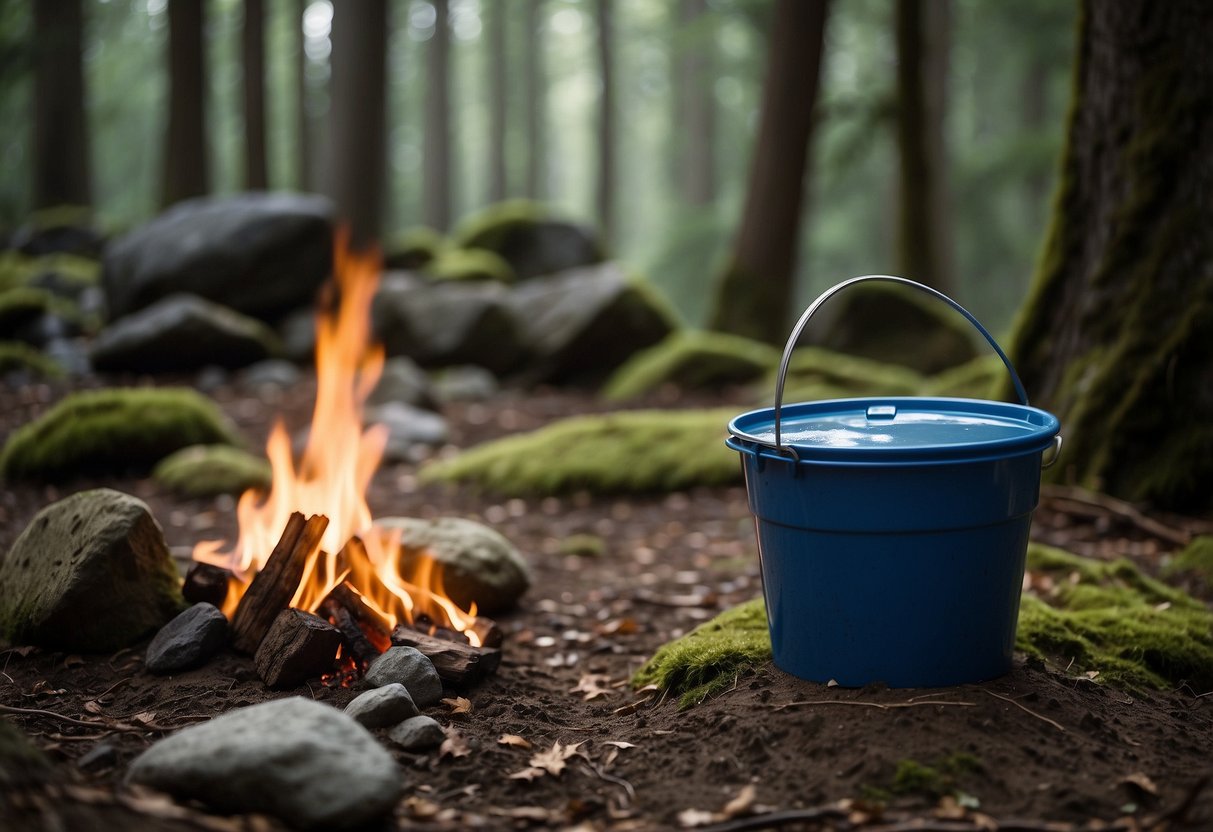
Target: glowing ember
(332, 478)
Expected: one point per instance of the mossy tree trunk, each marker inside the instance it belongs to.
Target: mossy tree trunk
(605, 194)
(61, 168)
(696, 103)
(185, 158)
(436, 178)
(755, 294)
(252, 44)
(1117, 336)
(536, 101)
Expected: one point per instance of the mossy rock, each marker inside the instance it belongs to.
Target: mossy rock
(1137, 632)
(413, 248)
(691, 360)
(470, 264)
(815, 373)
(641, 451)
(24, 304)
(207, 470)
(529, 239)
(18, 357)
(112, 430)
(17, 269)
(981, 378)
(491, 227)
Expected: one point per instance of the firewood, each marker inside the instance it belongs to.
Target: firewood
(205, 583)
(298, 646)
(377, 630)
(486, 630)
(274, 586)
(457, 663)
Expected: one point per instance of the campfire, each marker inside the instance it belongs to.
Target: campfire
(310, 543)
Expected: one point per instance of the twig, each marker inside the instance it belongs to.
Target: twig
(882, 706)
(1120, 508)
(627, 787)
(10, 709)
(1026, 709)
(112, 687)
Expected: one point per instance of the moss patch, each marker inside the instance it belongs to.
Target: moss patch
(104, 430)
(17, 269)
(640, 451)
(414, 247)
(206, 470)
(693, 360)
(16, 356)
(470, 264)
(936, 780)
(489, 228)
(706, 660)
(1195, 559)
(816, 373)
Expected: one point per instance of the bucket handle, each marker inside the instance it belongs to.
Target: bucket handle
(787, 450)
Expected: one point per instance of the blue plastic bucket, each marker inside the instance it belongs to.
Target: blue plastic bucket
(892, 531)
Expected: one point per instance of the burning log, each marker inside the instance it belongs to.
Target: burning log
(456, 662)
(274, 586)
(205, 583)
(366, 633)
(486, 631)
(298, 646)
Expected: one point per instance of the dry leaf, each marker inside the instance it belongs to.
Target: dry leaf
(145, 717)
(949, 809)
(690, 818)
(740, 804)
(620, 744)
(418, 808)
(513, 740)
(532, 813)
(527, 774)
(593, 685)
(455, 744)
(1139, 781)
(550, 762)
(458, 705)
(92, 706)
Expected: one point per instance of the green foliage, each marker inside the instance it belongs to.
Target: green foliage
(415, 246)
(470, 264)
(16, 356)
(207, 470)
(638, 451)
(815, 373)
(489, 228)
(691, 359)
(1195, 558)
(104, 430)
(706, 660)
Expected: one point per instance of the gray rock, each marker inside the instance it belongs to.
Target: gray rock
(580, 325)
(478, 564)
(420, 733)
(273, 372)
(298, 333)
(445, 323)
(91, 573)
(403, 381)
(466, 384)
(301, 761)
(411, 668)
(407, 426)
(539, 247)
(259, 253)
(182, 332)
(188, 640)
(382, 707)
(102, 755)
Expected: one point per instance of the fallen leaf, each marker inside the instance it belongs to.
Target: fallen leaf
(740, 804)
(527, 774)
(533, 813)
(1139, 781)
(690, 818)
(92, 706)
(949, 809)
(593, 685)
(1092, 674)
(458, 705)
(418, 808)
(620, 744)
(455, 744)
(513, 740)
(145, 717)
(553, 760)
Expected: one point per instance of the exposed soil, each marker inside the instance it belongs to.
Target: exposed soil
(1047, 745)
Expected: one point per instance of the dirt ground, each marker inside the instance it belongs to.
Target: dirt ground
(1039, 745)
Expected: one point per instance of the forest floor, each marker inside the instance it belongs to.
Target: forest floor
(1039, 744)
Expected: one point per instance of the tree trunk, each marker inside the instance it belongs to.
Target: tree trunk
(755, 297)
(437, 173)
(185, 157)
(1115, 336)
(696, 106)
(252, 40)
(357, 161)
(605, 194)
(61, 164)
(496, 65)
(303, 122)
(923, 237)
(536, 98)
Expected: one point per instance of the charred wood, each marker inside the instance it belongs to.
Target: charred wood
(298, 646)
(456, 662)
(205, 583)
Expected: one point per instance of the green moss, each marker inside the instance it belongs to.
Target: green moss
(470, 264)
(105, 430)
(206, 470)
(706, 660)
(21, 305)
(980, 378)
(693, 360)
(17, 269)
(414, 247)
(489, 228)
(1195, 558)
(16, 357)
(815, 373)
(640, 451)
(913, 777)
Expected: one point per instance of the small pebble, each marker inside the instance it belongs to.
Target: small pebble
(382, 707)
(417, 734)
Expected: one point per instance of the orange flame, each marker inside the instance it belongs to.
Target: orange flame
(333, 476)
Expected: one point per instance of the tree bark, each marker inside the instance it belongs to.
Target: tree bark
(252, 41)
(436, 177)
(185, 158)
(303, 122)
(61, 163)
(497, 69)
(923, 237)
(605, 193)
(756, 290)
(357, 161)
(1115, 336)
(696, 106)
(536, 98)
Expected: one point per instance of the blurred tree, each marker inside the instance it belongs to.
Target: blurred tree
(303, 124)
(536, 96)
(252, 40)
(357, 129)
(695, 112)
(756, 292)
(605, 182)
(61, 169)
(497, 67)
(1115, 336)
(185, 157)
(924, 239)
(436, 174)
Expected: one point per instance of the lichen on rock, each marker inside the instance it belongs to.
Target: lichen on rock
(207, 470)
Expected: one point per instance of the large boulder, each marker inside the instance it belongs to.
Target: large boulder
(306, 763)
(445, 323)
(526, 238)
(582, 324)
(90, 572)
(262, 254)
(183, 332)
